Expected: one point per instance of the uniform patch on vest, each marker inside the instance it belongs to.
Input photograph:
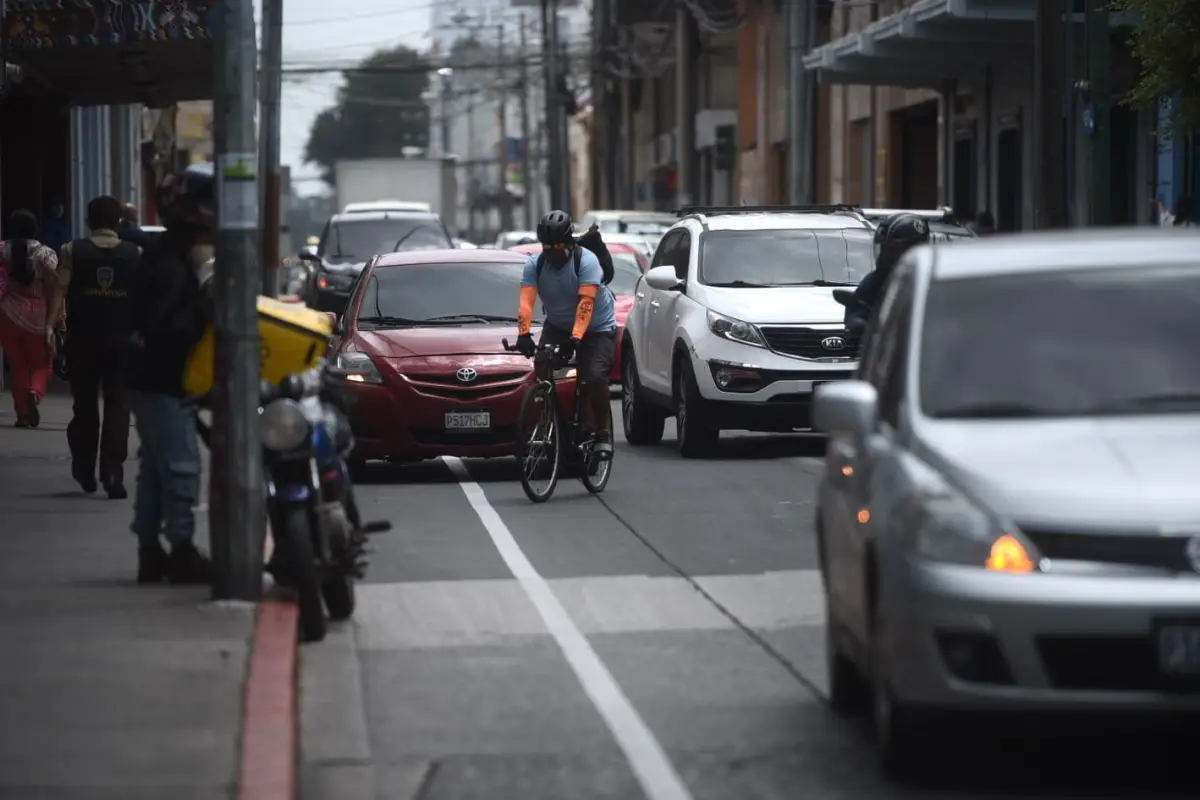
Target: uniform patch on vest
(104, 277)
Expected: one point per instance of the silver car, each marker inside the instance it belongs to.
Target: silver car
(1009, 517)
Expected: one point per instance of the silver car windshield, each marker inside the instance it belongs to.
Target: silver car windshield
(1090, 342)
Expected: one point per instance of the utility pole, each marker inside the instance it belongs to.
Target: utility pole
(1050, 180)
(550, 79)
(1099, 49)
(444, 75)
(562, 71)
(268, 142)
(801, 17)
(526, 144)
(237, 515)
(686, 41)
(506, 206)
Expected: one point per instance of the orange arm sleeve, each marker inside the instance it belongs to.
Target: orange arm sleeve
(525, 315)
(587, 304)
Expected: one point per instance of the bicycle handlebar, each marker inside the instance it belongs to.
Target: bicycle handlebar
(549, 352)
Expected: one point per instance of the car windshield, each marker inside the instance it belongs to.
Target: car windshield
(786, 257)
(475, 293)
(353, 241)
(626, 272)
(1103, 341)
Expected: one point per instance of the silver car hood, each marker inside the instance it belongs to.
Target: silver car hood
(1130, 473)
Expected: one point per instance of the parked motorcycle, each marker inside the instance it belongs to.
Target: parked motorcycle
(320, 539)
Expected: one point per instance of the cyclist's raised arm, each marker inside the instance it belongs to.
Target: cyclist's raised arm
(528, 297)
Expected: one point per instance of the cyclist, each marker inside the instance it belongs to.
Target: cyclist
(895, 236)
(580, 317)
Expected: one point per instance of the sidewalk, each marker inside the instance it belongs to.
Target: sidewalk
(107, 689)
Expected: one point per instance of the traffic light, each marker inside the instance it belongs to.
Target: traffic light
(726, 147)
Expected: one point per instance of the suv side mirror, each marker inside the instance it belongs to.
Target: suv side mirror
(847, 407)
(663, 279)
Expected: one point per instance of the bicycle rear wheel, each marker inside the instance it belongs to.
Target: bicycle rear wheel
(540, 443)
(596, 471)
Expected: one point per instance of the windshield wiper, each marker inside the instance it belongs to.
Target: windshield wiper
(742, 285)
(471, 317)
(1186, 400)
(823, 283)
(403, 322)
(995, 411)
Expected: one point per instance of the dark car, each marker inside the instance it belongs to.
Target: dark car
(349, 241)
(419, 361)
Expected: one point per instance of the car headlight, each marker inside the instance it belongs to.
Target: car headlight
(284, 426)
(951, 529)
(356, 367)
(735, 330)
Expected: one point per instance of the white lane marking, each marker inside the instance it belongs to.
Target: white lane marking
(646, 757)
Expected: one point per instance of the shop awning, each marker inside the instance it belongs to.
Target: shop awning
(928, 43)
(94, 52)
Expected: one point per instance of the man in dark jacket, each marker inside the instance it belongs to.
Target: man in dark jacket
(171, 316)
(895, 236)
(130, 230)
(99, 274)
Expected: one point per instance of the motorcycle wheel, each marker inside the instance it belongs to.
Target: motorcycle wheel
(294, 543)
(339, 597)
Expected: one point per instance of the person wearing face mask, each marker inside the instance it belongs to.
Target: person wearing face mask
(895, 236)
(55, 230)
(171, 312)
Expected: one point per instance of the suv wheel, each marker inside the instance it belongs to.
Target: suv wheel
(696, 438)
(643, 423)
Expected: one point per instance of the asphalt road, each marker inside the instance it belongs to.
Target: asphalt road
(664, 641)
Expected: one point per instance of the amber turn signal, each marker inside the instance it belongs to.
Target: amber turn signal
(1009, 555)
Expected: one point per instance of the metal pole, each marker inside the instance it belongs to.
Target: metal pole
(685, 104)
(269, 142)
(1099, 65)
(551, 92)
(800, 103)
(236, 510)
(562, 70)
(1049, 153)
(506, 206)
(1068, 90)
(526, 144)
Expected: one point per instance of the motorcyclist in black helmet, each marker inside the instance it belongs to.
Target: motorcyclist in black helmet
(894, 237)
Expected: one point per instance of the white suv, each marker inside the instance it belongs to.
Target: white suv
(735, 322)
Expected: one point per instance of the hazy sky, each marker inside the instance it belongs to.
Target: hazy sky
(320, 33)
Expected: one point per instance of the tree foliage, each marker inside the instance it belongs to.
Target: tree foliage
(379, 111)
(1166, 41)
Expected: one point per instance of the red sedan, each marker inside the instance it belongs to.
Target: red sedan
(628, 266)
(419, 357)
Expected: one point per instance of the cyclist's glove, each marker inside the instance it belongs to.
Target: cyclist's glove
(525, 345)
(567, 349)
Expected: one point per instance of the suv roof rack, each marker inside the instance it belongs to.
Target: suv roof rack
(713, 211)
(940, 213)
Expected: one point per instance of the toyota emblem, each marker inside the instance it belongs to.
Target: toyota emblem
(1193, 552)
(466, 374)
(833, 343)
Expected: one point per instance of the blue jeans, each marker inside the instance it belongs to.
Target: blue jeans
(168, 481)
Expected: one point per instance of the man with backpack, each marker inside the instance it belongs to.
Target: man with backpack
(580, 314)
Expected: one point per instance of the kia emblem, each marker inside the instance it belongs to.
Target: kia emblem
(833, 343)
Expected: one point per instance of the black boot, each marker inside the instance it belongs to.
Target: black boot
(189, 565)
(86, 480)
(153, 564)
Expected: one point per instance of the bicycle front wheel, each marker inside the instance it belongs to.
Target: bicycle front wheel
(596, 470)
(540, 443)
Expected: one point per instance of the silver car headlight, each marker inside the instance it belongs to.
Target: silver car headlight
(284, 426)
(951, 529)
(735, 330)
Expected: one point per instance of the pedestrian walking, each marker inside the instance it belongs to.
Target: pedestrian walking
(99, 273)
(30, 311)
(55, 230)
(130, 229)
(171, 314)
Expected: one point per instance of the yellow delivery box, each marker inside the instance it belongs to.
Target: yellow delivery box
(292, 338)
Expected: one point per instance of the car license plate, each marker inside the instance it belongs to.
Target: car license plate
(1179, 649)
(468, 421)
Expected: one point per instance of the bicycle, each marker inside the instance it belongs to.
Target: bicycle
(544, 442)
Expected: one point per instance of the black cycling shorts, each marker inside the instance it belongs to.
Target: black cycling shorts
(595, 356)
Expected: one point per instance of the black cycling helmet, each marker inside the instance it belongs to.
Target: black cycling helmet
(905, 231)
(556, 228)
(188, 197)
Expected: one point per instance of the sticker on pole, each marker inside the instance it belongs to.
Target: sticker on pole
(237, 192)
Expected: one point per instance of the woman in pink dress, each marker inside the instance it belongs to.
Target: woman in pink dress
(30, 308)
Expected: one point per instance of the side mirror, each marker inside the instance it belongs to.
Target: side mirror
(333, 320)
(312, 257)
(847, 407)
(663, 279)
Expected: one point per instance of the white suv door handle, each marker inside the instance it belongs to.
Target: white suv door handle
(655, 304)
(641, 295)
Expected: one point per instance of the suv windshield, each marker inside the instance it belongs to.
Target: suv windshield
(353, 241)
(475, 293)
(1067, 343)
(788, 257)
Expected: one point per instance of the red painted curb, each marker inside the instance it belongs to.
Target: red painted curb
(267, 767)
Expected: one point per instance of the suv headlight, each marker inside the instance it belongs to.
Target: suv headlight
(284, 426)
(951, 529)
(735, 330)
(356, 367)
